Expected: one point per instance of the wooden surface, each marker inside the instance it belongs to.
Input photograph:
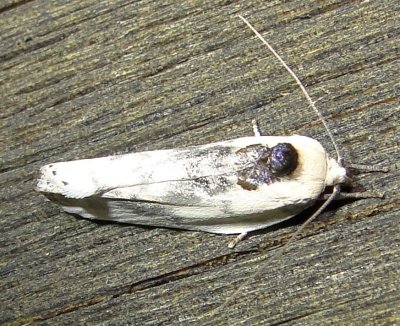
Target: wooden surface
(90, 78)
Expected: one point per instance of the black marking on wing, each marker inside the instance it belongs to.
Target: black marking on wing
(213, 185)
(209, 159)
(198, 191)
(270, 164)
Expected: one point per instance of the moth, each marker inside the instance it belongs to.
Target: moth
(228, 187)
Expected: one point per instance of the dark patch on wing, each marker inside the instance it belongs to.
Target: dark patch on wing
(213, 185)
(197, 191)
(215, 151)
(215, 160)
(246, 185)
(269, 164)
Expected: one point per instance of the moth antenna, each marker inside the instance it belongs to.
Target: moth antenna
(333, 195)
(302, 87)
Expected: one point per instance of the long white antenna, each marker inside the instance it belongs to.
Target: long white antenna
(332, 196)
(339, 156)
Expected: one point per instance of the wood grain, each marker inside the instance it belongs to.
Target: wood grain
(90, 78)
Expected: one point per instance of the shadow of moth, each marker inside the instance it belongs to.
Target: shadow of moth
(228, 187)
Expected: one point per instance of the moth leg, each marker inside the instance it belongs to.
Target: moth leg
(345, 195)
(256, 130)
(235, 241)
(367, 168)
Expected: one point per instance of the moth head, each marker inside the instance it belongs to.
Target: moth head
(336, 173)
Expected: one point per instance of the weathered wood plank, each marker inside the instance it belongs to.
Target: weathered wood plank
(90, 78)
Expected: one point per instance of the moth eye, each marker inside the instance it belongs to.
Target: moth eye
(283, 159)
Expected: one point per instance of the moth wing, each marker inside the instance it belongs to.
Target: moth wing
(178, 205)
(194, 188)
(89, 177)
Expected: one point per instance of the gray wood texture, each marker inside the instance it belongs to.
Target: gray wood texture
(91, 78)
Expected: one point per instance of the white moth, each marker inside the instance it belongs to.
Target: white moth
(227, 187)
